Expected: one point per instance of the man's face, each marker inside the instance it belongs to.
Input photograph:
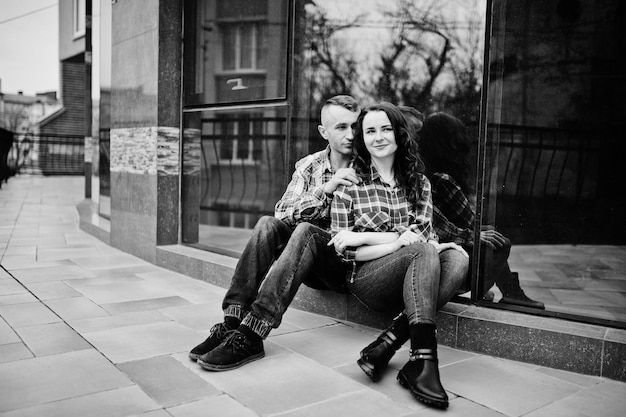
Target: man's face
(336, 128)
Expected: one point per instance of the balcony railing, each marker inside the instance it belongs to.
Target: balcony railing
(47, 154)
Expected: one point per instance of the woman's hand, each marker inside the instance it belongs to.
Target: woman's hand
(407, 238)
(448, 245)
(344, 239)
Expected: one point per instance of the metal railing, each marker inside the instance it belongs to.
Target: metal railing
(47, 154)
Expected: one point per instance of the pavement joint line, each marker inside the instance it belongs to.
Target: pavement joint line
(55, 313)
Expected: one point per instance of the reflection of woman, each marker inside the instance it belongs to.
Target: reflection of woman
(445, 147)
(381, 227)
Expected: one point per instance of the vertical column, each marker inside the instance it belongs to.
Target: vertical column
(88, 104)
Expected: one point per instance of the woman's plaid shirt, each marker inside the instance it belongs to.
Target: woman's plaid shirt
(305, 200)
(453, 214)
(378, 207)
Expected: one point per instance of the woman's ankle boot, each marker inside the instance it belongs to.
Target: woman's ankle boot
(420, 375)
(376, 356)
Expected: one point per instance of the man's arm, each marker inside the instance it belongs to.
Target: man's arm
(303, 199)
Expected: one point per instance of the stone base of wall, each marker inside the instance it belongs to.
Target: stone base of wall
(561, 344)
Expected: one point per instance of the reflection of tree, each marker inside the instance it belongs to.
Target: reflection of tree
(333, 68)
(14, 116)
(430, 56)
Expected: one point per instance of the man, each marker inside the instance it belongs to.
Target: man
(285, 250)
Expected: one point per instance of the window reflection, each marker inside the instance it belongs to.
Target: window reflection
(235, 50)
(554, 138)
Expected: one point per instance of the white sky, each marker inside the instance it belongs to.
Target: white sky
(29, 46)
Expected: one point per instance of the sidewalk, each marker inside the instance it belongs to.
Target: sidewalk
(87, 330)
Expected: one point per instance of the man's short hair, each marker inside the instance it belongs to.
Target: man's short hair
(345, 101)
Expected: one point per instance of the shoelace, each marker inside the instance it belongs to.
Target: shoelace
(219, 330)
(235, 340)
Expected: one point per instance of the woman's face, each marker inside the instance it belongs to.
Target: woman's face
(378, 135)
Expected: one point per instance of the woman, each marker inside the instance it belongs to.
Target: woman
(446, 148)
(381, 228)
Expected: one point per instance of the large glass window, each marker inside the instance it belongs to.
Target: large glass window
(235, 51)
(555, 127)
(247, 123)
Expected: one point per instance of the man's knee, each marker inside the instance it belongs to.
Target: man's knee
(305, 230)
(268, 224)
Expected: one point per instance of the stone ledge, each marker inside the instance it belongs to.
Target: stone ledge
(545, 341)
(552, 342)
(91, 222)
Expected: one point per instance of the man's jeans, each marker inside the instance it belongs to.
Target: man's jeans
(408, 277)
(275, 262)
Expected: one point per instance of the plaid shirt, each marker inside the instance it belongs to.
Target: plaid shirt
(453, 214)
(305, 199)
(378, 207)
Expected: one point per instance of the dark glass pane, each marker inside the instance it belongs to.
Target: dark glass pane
(555, 133)
(222, 61)
(234, 171)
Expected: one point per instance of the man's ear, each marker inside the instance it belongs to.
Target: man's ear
(322, 131)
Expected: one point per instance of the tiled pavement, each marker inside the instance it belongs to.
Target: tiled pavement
(87, 330)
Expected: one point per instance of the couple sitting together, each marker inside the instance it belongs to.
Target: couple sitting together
(356, 217)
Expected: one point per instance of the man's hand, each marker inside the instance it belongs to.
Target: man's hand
(492, 238)
(343, 176)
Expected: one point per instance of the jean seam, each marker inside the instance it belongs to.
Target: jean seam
(291, 276)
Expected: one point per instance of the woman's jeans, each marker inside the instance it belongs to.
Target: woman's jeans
(275, 262)
(408, 277)
(454, 270)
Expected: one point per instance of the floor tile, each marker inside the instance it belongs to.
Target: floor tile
(502, 386)
(51, 339)
(54, 254)
(14, 352)
(300, 381)
(7, 335)
(9, 286)
(132, 343)
(121, 292)
(220, 405)
(76, 308)
(332, 346)
(388, 384)
(145, 305)
(36, 381)
(54, 273)
(196, 316)
(28, 314)
(166, 381)
(95, 324)
(52, 290)
(17, 299)
(121, 402)
(602, 400)
(362, 403)
(121, 260)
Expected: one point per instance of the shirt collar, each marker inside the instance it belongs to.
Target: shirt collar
(326, 165)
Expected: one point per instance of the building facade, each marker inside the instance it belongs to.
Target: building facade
(205, 106)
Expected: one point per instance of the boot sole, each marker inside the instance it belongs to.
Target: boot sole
(421, 397)
(368, 369)
(228, 367)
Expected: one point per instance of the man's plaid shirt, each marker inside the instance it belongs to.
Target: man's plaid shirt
(378, 207)
(305, 200)
(453, 214)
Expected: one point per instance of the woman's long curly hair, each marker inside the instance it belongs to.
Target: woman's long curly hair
(445, 147)
(407, 164)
